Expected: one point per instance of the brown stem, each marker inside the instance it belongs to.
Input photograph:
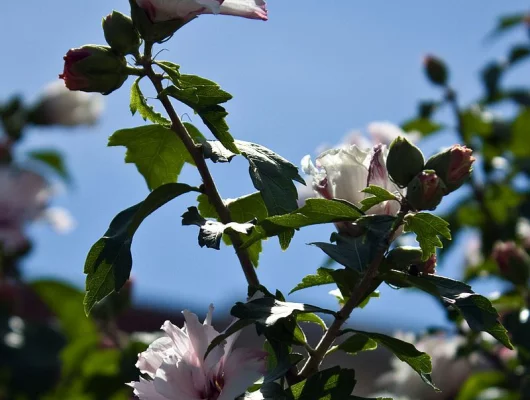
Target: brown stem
(210, 188)
(357, 296)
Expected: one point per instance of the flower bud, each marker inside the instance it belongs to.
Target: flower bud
(407, 258)
(436, 70)
(513, 262)
(121, 34)
(453, 166)
(426, 191)
(151, 30)
(94, 68)
(404, 161)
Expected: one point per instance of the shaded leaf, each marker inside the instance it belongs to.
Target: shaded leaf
(505, 23)
(156, 151)
(109, 261)
(520, 145)
(406, 352)
(428, 229)
(273, 176)
(331, 384)
(233, 328)
(53, 160)
(353, 253)
(215, 151)
(355, 344)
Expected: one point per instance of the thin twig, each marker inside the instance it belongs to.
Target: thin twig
(195, 151)
(357, 296)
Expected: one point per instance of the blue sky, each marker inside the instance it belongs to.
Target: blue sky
(312, 73)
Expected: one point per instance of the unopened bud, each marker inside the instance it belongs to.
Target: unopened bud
(453, 166)
(94, 68)
(121, 34)
(150, 30)
(436, 70)
(426, 191)
(513, 262)
(409, 259)
(404, 161)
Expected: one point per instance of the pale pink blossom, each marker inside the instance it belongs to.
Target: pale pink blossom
(177, 368)
(166, 10)
(23, 198)
(343, 174)
(449, 371)
(59, 106)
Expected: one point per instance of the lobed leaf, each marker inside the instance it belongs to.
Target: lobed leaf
(428, 229)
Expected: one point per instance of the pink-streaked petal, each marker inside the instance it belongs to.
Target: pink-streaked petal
(253, 9)
(377, 172)
(145, 390)
(174, 380)
(151, 359)
(209, 315)
(241, 369)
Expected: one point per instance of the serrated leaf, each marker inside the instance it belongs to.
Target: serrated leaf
(331, 384)
(204, 97)
(323, 277)
(242, 209)
(139, 104)
(156, 151)
(53, 160)
(172, 70)
(423, 125)
(211, 232)
(273, 176)
(314, 212)
(268, 311)
(109, 261)
(379, 195)
(406, 352)
(428, 229)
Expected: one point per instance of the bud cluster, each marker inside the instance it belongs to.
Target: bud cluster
(513, 262)
(428, 182)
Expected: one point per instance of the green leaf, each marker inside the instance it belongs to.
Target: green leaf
(323, 277)
(172, 70)
(518, 53)
(478, 382)
(139, 104)
(378, 196)
(428, 228)
(505, 23)
(315, 211)
(109, 261)
(204, 97)
(215, 151)
(475, 309)
(242, 209)
(156, 151)
(273, 176)
(355, 344)
(406, 352)
(475, 121)
(311, 318)
(353, 253)
(211, 232)
(53, 160)
(423, 125)
(331, 384)
(65, 302)
(268, 311)
(520, 145)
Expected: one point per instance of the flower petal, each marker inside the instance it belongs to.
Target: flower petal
(145, 390)
(173, 381)
(151, 359)
(242, 368)
(253, 9)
